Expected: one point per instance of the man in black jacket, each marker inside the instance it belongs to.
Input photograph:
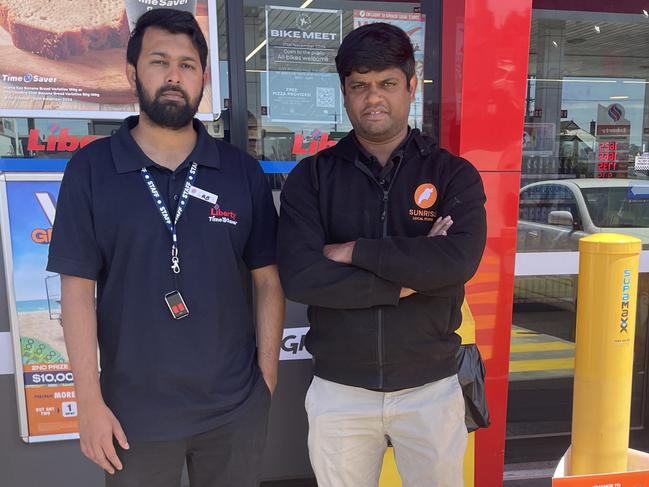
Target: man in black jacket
(378, 235)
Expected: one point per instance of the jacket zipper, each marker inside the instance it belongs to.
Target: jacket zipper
(384, 233)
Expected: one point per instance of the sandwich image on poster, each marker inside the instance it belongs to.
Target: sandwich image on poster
(70, 56)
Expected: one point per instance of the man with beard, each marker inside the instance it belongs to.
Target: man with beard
(163, 219)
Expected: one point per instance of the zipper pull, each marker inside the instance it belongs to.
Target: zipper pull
(385, 205)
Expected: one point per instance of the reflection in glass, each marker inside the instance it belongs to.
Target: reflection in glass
(587, 121)
(554, 215)
(616, 207)
(542, 355)
(293, 90)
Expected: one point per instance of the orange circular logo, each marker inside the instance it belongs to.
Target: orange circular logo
(425, 195)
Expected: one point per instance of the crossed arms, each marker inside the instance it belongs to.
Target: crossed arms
(373, 272)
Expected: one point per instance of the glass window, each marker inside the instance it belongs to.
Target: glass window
(295, 107)
(539, 201)
(586, 130)
(60, 138)
(612, 208)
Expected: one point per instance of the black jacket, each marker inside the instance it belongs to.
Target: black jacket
(361, 333)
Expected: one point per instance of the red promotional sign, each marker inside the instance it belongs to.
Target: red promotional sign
(63, 142)
(315, 145)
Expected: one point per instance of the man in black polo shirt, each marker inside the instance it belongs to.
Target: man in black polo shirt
(164, 219)
(378, 234)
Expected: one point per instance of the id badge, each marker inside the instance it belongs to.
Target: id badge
(176, 305)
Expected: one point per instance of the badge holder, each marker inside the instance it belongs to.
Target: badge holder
(176, 305)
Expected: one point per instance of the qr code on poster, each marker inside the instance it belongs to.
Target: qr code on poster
(325, 97)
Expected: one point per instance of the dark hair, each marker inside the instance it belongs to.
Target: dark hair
(375, 47)
(173, 21)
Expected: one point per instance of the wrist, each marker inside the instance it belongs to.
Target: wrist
(89, 396)
(349, 256)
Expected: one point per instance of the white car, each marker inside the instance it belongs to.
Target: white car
(554, 215)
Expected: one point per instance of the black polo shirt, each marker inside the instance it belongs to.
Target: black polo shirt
(165, 378)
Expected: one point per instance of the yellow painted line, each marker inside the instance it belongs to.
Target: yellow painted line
(541, 347)
(543, 364)
(523, 333)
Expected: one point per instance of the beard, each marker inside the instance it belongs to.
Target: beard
(168, 114)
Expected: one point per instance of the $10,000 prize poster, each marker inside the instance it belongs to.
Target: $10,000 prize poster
(45, 386)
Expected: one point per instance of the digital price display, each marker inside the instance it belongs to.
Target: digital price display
(607, 163)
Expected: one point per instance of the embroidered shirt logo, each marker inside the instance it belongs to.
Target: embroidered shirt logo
(218, 215)
(425, 195)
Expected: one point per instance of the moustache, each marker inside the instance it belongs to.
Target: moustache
(166, 89)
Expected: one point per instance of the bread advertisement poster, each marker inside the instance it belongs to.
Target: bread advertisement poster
(67, 58)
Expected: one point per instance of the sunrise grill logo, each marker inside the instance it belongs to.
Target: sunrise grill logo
(425, 197)
(616, 112)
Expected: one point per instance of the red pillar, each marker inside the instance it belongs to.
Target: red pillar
(485, 48)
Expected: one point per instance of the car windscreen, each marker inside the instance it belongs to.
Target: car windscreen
(616, 207)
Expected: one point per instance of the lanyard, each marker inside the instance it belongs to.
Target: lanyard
(164, 212)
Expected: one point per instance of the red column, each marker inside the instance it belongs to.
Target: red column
(485, 48)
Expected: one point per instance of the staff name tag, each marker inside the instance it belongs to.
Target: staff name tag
(201, 194)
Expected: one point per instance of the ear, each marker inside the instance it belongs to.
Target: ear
(206, 78)
(131, 74)
(413, 87)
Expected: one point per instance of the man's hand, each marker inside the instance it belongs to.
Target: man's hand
(269, 318)
(405, 292)
(97, 426)
(339, 252)
(440, 227)
(343, 252)
(271, 381)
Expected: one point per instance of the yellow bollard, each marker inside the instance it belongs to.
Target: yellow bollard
(389, 473)
(606, 306)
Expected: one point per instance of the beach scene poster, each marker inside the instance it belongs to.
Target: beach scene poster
(49, 384)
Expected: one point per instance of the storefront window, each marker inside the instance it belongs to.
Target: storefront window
(585, 142)
(295, 106)
(59, 138)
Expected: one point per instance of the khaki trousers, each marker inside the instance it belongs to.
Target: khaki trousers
(349, 428)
